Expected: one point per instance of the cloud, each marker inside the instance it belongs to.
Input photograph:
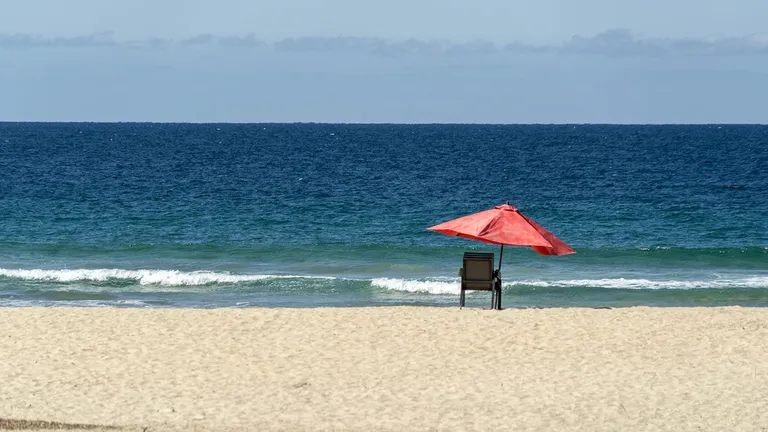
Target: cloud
(621, 42)
(108, 39)
(29, 41)
(337, 44)
(377, 46)
(202, 39)
(248, 40)
(521, 48)
(233, 41)
(612, 43)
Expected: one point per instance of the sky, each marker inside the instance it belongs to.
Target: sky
(416, 61)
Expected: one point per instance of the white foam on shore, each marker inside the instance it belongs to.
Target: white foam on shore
(143, 277)
(76, 303)
(447, 287)
(417, 286)
(431, 286)
(622, 283)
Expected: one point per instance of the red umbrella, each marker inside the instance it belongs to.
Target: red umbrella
(505, 225)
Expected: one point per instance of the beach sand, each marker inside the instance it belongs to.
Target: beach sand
(387, 368)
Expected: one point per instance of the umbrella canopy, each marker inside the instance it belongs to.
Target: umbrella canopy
(505, 225)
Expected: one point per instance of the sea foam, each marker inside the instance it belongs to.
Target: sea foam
(143, 277)
(417, 286)
(448, 287)
(437, 286)
(622, 283)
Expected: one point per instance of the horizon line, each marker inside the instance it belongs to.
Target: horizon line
(3, 122)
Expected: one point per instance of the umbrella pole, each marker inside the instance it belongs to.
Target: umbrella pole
(498, 294)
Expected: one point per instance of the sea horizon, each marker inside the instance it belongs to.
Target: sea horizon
(369, 123)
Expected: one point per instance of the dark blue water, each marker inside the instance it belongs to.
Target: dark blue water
(310, 214)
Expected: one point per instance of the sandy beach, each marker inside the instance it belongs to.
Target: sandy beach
(389, 368)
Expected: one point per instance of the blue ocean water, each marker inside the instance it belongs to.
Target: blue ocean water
(302, 215)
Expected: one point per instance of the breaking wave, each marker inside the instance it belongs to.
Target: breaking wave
(143, 277)
(453, 287)
(434, 285)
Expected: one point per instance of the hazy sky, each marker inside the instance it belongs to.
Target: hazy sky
(540, 21)
(498, 61)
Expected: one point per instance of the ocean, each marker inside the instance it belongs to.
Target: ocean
(310, 215)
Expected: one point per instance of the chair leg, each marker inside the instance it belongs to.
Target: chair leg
(461, 298)
(493, 299)
(498, 295)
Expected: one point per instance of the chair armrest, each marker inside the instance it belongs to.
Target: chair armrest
(461, 271)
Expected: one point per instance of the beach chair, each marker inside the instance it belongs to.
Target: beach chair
(478, 275)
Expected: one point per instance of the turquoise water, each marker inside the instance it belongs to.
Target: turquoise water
(302, 215)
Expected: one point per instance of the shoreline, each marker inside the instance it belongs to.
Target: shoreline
(386, 368)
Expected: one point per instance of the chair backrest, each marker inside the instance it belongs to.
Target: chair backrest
(478, 271)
